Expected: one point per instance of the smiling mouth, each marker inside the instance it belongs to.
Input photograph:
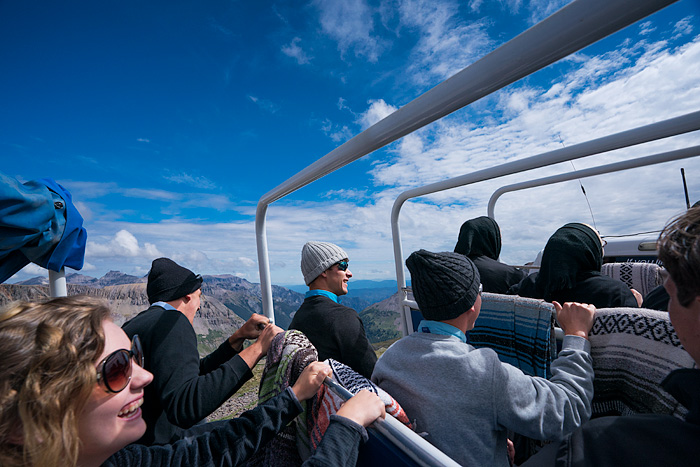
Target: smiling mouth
(130, 409)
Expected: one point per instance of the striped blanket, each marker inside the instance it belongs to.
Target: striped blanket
(290, 352)
(643, 277)
(327, 402)
(520, 330)
(633, 350)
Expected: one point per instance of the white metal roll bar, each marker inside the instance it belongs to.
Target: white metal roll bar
(57, 283)
(693, 151)
(672, 127)
(416, 448)
(575, 26)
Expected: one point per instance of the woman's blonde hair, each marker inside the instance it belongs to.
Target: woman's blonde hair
(47, 374)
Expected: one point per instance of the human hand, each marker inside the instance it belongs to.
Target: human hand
(265, 339)
(258, 349)
(511, 451)
(251, 329)
(363, 408)
(310, 380)
(575, 319)
(637, 297)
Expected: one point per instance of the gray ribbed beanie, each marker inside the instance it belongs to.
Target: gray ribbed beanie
(316, 257)
(445, 285)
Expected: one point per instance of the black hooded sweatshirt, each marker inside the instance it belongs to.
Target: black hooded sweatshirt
(570, 272)
(480, 240)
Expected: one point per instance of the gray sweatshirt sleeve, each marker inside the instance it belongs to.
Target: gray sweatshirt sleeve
(547, 409)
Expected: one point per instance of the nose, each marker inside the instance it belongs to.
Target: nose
(348, 273)
(140, 377)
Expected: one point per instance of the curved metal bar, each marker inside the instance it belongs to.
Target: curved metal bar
(575, 26)
(671, 127)
(57, 283)
(603, 169)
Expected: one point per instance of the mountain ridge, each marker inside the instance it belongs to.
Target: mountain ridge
(228, 301)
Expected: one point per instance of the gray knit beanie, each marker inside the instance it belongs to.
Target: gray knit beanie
(169, 281)
(445, 285)
(316, 257)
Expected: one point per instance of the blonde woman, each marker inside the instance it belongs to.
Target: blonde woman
(71, 388)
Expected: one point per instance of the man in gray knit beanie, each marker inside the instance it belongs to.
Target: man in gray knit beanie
(335, 330)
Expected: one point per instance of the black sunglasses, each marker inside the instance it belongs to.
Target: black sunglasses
(114, 372)
(342, 265)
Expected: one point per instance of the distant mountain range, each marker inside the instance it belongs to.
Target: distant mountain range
(227, 302)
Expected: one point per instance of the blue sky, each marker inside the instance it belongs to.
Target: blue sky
(167, 121)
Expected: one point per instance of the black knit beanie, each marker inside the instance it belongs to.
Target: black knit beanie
(445, 285)
(169, 281)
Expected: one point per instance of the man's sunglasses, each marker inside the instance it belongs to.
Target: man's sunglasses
(114, 372)
(342, 265)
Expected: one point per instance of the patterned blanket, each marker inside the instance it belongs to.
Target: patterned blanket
(327, 402)
(633, 350)
(289, 353)
(643, 277)
(520, 330)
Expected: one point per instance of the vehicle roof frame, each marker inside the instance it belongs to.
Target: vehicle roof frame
(575, 26)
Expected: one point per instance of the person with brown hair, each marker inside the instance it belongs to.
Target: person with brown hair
(72, 384)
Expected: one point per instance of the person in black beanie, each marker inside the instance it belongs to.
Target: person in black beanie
(465, 398)
(185, 388)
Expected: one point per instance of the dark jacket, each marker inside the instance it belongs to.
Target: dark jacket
(647, 439)
(234, 441)
(480, 240)
(185, 389)
(337, 332)
(656, 299)
(570, 271)
(601, 291)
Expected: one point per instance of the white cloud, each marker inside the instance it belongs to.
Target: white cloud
(346, 194)
(159, 195)
(646, 28)
(247, 262)
(294, 51)
(266, 105)
(446, 42)
(377, 110)
(638, 83)
(540, 9)
(661, 84)
(683, 27)
(124, 243)
(351, 25)
(337, 133)
(197, 181)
